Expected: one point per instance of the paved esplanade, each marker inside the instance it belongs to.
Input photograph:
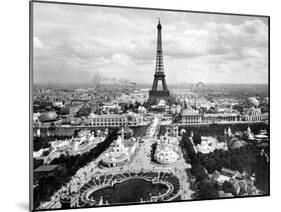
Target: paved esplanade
(140, 162)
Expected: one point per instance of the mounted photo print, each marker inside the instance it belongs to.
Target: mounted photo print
(140, 105)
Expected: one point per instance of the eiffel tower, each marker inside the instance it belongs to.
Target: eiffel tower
(154, 94)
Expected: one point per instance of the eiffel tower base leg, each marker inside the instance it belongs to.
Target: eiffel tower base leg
(156, 96)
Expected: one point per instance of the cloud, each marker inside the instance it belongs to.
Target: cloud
(80, 42)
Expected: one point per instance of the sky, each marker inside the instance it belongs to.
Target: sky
(86, 44)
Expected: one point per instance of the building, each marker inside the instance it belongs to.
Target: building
(48, 116)
(210, 144)
(167, 150)
(253, 114)
(142, 110)
(220, 117)
(191, 117)
(243, 184)
(232, 141)
(57, 104)
(175, 109)
(36, 117)
(85, 141)
(120, 151)
(113, 120)
(132, 98)
(46, 171)
(111, 107)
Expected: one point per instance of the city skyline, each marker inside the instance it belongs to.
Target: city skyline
(74, 45)
(137, 106)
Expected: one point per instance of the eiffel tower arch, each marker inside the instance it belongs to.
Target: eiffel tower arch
(155, 95)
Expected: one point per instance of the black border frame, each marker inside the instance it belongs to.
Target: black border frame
(31, 2)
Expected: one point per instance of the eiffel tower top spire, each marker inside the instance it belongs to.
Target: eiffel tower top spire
(159, 53)
(159, 24)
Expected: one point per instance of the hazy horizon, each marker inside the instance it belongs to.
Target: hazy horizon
(76, 44)
(148, 86)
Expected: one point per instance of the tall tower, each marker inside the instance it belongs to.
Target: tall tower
(155, 94)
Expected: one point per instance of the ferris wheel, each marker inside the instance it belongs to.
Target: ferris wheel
(200, 86)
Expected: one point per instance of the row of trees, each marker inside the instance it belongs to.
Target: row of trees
(242, 159)
(218, 129)
(152, 152)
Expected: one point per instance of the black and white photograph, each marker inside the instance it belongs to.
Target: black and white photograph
(132, 105)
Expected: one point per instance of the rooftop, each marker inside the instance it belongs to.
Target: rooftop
(46, 168)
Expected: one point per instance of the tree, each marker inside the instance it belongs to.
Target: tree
(211, 165)
(188, 146)
(225, 161)
(201, 158)
(131, 106)
(177, 117)
(262, 174)
(198, 172)
(227, 187)
(197, 139)
(195, 161)
(137, 104)
(207, 190)
(235, 163)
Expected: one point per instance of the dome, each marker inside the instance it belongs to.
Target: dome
(253, 101)
(48, 116)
